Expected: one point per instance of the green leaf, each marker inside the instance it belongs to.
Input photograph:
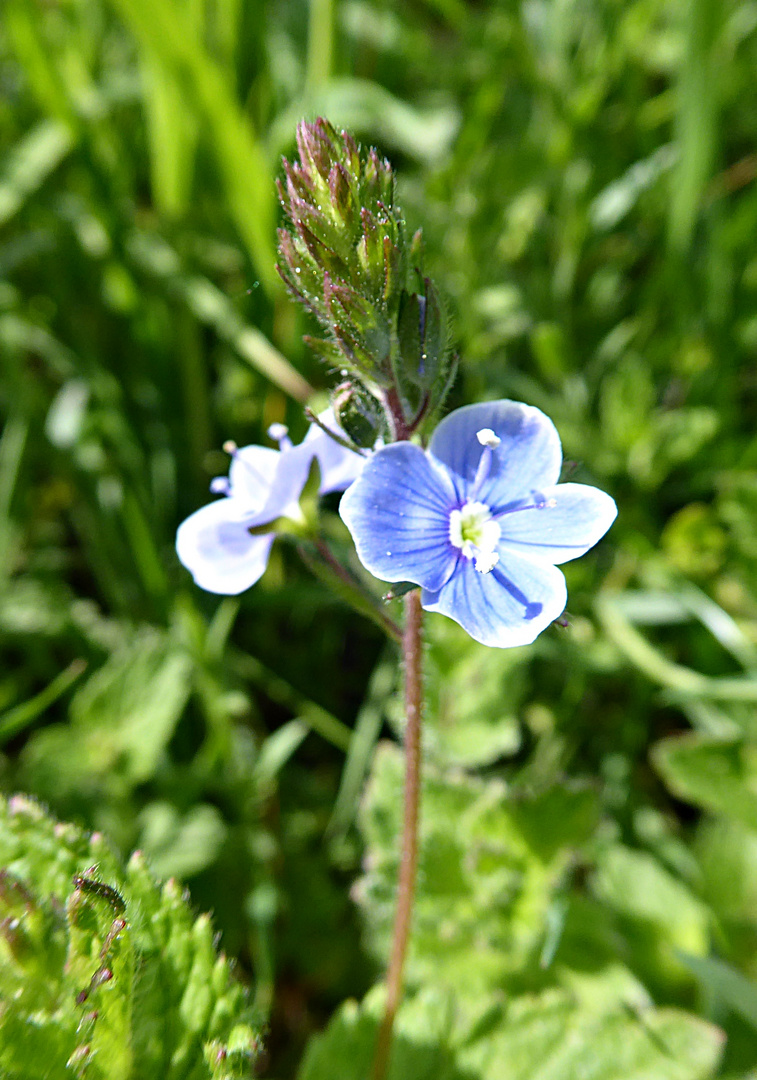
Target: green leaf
(716, 774)
(472, 698)
(419, 1049)
(481, 887)
(122, 719)
(637, 885)
(548, 1036)
(103, 970)
(136, 698)
(181, 845)
(726, 984)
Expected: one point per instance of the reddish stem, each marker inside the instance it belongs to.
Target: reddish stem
(413, 655)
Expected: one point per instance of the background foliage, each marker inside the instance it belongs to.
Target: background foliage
(584, 174)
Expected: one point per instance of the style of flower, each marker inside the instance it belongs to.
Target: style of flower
(478, 520)
(215, 543)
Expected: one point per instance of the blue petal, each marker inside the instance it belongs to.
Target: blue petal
(288, 480)
(510, 605)
(398, 513)
(216, 548)
(339, 466)
(252, 473)
(566, 521)
(528, 456)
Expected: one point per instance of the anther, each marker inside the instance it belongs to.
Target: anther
(487, 438)
(278, 432)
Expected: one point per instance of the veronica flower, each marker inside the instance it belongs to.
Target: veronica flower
(478, 520)
(215, 543)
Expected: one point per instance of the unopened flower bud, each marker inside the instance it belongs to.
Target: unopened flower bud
(358, 413)
(343, 251)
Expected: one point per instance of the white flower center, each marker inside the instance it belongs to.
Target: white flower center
(476, 533)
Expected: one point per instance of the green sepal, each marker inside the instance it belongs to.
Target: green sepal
(358, 413)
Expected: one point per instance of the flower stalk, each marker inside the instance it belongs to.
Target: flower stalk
(412, 647)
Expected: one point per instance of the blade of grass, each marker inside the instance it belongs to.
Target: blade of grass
(38, 61)
(214, 308)
(675, 677)
(164, 31)
(173, 133)
(364, 738)
(696, 120)
(320, 44)
(29, 164)
(12, 443)
(17, 719)
(280, 691)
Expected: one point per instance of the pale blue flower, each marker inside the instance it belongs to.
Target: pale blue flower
(478, 520)
(263, 484)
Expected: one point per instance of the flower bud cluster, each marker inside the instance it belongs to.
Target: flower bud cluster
(345, 255)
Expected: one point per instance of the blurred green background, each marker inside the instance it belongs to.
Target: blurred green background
(584, 173)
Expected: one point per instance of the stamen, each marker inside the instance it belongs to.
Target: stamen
(489, 441)
(280, 434)
(543, 504)
(484, 465)
(474, 531)
(484, 562)
(230, 447)
(487, 438)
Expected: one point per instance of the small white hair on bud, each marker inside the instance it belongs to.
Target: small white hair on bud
(487, 438)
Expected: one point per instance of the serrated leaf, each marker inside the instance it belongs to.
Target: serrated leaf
(102, 969)
(419, 1049)
(481, 886)
(549, 1037)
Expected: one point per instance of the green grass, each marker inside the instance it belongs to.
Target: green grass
(584, 174)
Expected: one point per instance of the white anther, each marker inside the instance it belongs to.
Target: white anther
(487, 438)
(485, 561)
(277, 432)
(474, 531)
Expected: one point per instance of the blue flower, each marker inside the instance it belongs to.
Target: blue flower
(215, 543)
(478, 520)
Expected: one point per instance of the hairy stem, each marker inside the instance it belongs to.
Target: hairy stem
(412, 650)
(394, 407)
